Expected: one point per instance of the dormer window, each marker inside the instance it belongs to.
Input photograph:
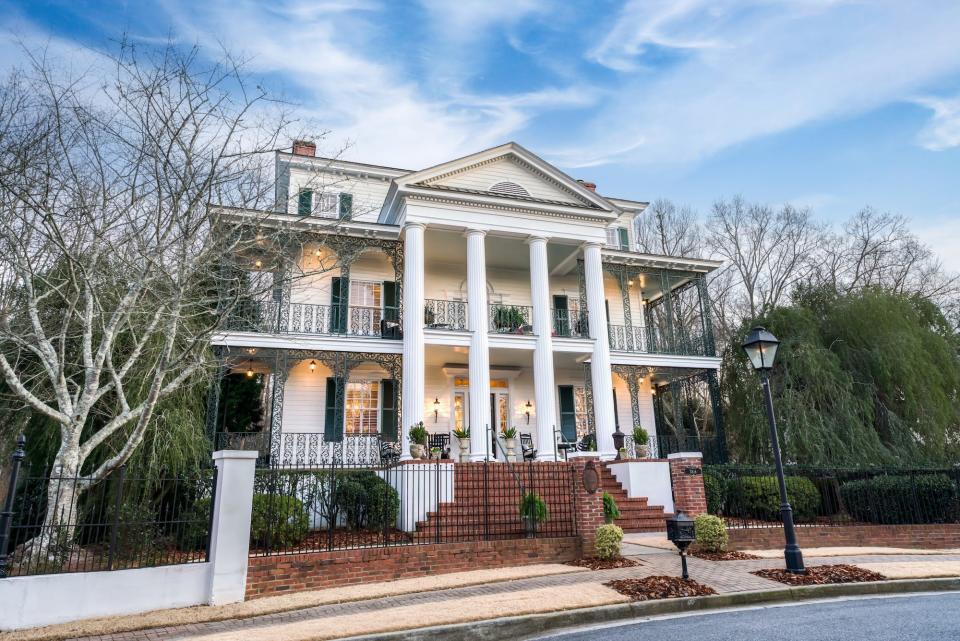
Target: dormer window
(509, 189)
(325, 205)
(618, 238)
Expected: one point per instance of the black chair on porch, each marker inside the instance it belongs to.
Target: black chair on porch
(441, 442)
(389, 452)
(526, 446)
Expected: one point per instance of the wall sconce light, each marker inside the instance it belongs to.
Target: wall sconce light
(313, 366)
(528, 407)
(436, 409)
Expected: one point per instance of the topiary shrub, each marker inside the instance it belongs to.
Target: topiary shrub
(915, 499)
(711, 533)
(277, 522)
(758, 497)
(607, 542)
(366, 500)
(610, 509)
(716, 489)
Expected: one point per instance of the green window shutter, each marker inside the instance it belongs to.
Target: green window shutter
(388, 410)
(345, 206)
(305, 202)
(389, 296)
(339, 304)
(333, 417)
(568, 414)
(624, 237)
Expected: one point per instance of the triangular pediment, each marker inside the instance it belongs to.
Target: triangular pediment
(509, 171)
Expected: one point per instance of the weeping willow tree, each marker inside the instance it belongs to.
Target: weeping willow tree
(865, 378)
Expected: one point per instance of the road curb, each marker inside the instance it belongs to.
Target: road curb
(524, 626)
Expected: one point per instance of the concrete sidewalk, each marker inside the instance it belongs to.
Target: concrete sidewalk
(443, 600)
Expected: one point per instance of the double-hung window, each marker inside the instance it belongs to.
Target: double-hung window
(362, 412)
(618, 238)
(366, 307)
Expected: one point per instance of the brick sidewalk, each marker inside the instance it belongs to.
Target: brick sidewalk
(724, 577)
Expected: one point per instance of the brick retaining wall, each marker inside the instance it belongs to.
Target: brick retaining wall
(270, 575)
(902, 536)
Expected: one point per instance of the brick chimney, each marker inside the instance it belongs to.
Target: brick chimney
(304, 148)
(589, 185)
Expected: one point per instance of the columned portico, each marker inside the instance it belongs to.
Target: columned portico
(603, 411)
(543, 354)
(413, 356)
(479, 359)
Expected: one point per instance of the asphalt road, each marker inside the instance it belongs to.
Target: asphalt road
(920, 617)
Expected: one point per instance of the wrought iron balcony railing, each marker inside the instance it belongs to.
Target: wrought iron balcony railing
(650, 340)
(307, 318)
(445, 314)
(570, 323)
(510, 319)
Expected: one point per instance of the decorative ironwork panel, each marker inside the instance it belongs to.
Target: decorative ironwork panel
(445, 314)
(510, 319)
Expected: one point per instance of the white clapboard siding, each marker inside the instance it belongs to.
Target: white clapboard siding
(368, 193)
(485, 176)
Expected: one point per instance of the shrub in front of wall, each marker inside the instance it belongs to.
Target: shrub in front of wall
(758, 497)
(902, 499)
(610, 509)
(711, 533)
(277, 522)
(366, 500)
(607, 542)
(716, 489)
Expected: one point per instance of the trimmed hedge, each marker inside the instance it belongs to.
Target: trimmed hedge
(277, 521)
(607, 542)
(914, 499)
(711, 533)
(758, 497)
(367, 501)
(716, 489)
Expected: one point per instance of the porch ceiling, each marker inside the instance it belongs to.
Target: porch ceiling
(450, 248)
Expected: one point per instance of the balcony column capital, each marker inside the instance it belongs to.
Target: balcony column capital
(472, 231)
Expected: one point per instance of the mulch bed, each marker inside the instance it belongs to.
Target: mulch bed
(659, 587)
(728, 555)
(602, 564)
(821, 575)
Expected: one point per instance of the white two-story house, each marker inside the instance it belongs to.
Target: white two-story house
(486, 292)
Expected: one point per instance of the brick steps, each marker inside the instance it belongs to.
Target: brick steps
(636, 514)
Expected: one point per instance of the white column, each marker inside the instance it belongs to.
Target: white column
(412, 390)
(230, 534)
(543, 352)
(600, 360)
(479, 345)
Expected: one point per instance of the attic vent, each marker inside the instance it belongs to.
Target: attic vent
(509, 188)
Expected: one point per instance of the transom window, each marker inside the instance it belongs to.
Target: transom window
(362, 415)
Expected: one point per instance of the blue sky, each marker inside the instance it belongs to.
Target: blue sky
(834, 104)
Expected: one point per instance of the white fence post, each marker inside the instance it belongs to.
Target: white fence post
(230, 531)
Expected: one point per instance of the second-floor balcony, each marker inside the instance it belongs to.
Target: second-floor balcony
(652, 340)
(309, 318)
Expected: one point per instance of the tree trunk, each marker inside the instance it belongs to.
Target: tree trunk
(53, 544)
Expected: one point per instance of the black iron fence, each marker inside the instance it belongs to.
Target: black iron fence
(572, 323)
(712, 447)
(306, 318)
(649, 340)
(55, 523)
(445, 314)
(335, 507)
(748, 496)
(510, 319)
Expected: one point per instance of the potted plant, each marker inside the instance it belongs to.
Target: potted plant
(509, 435)
(418, 440)
(435, 453)
(463, 438)
(532, 511)
(641, 442)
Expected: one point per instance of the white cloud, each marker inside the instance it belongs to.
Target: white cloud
(943, 130)
(736, 71)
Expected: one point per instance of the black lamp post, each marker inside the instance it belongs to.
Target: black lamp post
(761, 348)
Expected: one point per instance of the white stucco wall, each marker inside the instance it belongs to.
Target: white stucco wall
(646, 478)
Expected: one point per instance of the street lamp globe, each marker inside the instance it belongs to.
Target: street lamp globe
(761, 348)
